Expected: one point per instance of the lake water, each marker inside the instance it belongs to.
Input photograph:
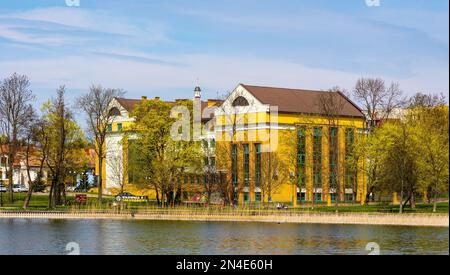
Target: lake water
(23, 236)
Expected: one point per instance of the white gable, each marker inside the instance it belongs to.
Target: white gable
(125, 116)
(255, 106)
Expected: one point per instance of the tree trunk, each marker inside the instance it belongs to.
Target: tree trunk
(435, 198)
(51, 196)
(10, 177)
(338, 194)
(30, 182)
(26, 202)
(100, 176)
(412, 202)
(401, 199)
(157, 196)
(64, 198)
(406, 201)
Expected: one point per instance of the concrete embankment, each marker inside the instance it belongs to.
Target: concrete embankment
(441, 220)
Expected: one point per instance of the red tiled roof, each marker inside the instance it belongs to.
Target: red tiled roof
(128, 104)
(299, 101)
(35, 156)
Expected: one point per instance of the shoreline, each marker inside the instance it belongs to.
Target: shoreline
(422, 220)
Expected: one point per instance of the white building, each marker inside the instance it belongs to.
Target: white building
(20, 174)
(120, 109)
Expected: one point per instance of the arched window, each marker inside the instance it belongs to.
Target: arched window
(114, 111)
(240, 101)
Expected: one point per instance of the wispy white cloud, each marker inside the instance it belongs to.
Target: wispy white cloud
(217, 73)
(93, 20)
(65, 26)
(314, 49)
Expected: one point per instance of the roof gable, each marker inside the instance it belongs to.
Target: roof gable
(128, 104)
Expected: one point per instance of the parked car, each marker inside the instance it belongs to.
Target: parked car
(17, 188)
(3, 188)
(125, 196)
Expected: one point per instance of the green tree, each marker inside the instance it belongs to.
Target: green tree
(163, 160)
(393, 151)
(429, 117)
(64, 145)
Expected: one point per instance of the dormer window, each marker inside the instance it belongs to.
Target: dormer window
(240, 101)
(114, 112)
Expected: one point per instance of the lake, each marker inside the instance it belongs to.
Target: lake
(26, 236)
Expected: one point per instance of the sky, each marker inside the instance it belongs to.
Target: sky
(166, 48)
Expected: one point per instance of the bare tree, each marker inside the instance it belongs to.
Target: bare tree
(96, 106)
(272, 174)
(116, 168)
(422, 100)
(233, 118)
(377, 99)
(331, 105)
(30, 153)
(15, 113)
(210, 172)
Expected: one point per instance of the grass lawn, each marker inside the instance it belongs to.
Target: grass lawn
(442, 207)
(40, 202)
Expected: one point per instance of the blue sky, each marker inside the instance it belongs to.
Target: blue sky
(161, 48)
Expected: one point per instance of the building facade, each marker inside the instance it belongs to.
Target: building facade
(20, 171)
(273, 144)
(285, 145)
(120, 155)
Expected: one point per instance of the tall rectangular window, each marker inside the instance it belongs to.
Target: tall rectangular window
(246, 150)
(350, 171)
(301, 156)
(234, 164)
(247, 197)
(257, 165)
(110, 128)
(333, 158)
(257, 196)
(119, 127)
(317, 159)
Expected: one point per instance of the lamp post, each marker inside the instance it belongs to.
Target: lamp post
(1, 193)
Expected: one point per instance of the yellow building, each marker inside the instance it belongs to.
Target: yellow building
(273, 144)
(289, 145)
(119, 155)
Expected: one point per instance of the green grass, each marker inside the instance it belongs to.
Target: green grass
(39, 202)
(442, 207)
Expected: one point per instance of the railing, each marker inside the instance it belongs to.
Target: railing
(241, 216)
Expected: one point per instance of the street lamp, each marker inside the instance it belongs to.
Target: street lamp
(1, 193)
